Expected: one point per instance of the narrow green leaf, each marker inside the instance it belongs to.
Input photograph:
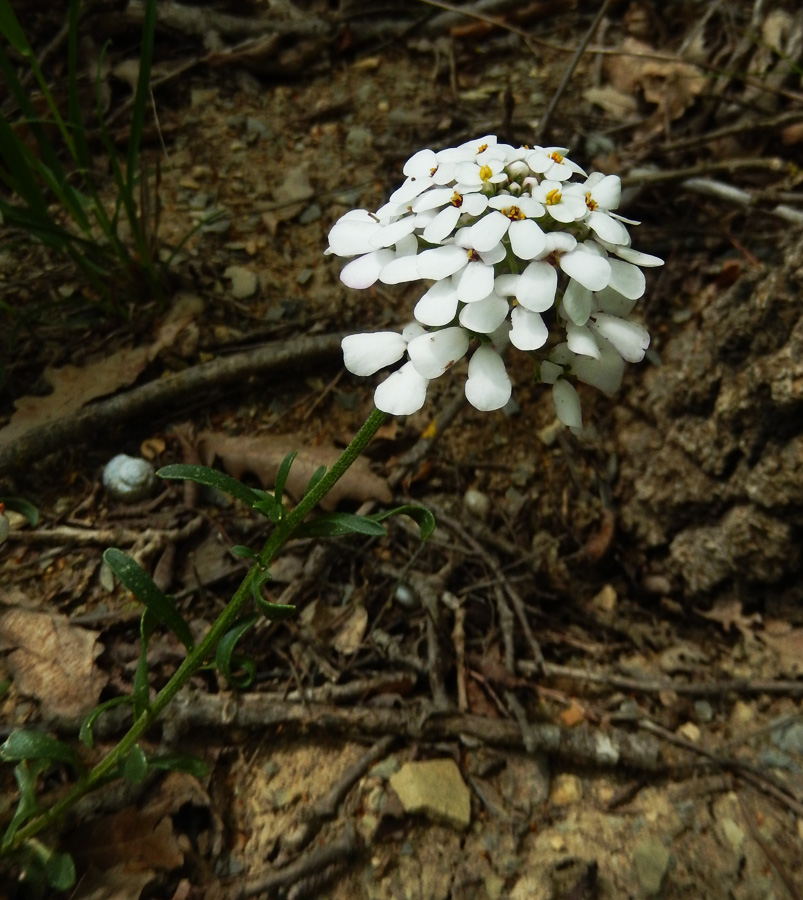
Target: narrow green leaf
(192, 765)
(269, 506)
(226, 659)
(60, 871)
(141, 697)
(340, 523)
(24, 508)
(135, 766)
(20, 745)
(137, 580)
(11, 29)
(244, 552)
(421, 516)
(26, 777)
(317, 475)
(211, 478)
(274, 612)
(86, 734)
(282, 474)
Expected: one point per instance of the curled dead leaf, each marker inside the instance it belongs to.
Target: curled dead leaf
(261, 456)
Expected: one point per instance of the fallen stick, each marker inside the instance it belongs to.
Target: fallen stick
(163, 394)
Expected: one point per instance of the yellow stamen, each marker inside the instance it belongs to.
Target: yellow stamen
(432, 171)
(513, 213)
(481, 148)
(556, 157)
(473, 256)
(457, 200)
(591, 203)
(485, 172)
(554, 196)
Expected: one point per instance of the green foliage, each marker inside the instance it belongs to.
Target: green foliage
(239, 670)
(46, 168)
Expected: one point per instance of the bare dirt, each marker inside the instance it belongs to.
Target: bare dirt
(656, 558)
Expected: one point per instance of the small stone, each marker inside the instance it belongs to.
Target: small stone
(434, 788)
(566, 789)
(359, 143)
(689, 731)
(651, 861)
(605, 600)
(476, 503)
(129, 479)
(742, 714)
(243, 282)
(703, 711)
(788, 737)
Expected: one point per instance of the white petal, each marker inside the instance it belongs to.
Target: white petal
(567, 404)
(637, 257)
(432, 354)
(488, 231)
(613, 302)
(560, 241)
(399, 270)
(606, 191)
(604, 373)
(494, 255)
(629, 338)
(529, 331)
(411, 188)
(550, 372)
(627, 279)
(420, 164)
(527, 240)
(484, 316)
(593, 272)
(352, 233)
(364, 354)
(438, 305)
(488, 386)
(577, 302)
(363, 272)
(412, 330)
(402, 393)
(474, 204)
(440, 262)
(608, 228)
(390, 234)
(536, 287)
(432, 199)
(475, 282)
(442, 225)
(581, 340)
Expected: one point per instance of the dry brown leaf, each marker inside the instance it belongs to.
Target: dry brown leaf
(671, 84)
(348, 637)
(262, 455)
(75, 386)
(54, 662)
(118, 883)
(618, 104)
(729, 615)
(787, 642)
(142, 839)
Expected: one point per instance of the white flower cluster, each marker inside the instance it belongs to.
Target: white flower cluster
(508, 238)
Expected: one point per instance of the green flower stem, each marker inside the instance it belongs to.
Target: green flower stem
(107, 767)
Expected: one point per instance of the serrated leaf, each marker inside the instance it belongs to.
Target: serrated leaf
(22, 745)
(226, 659)
(340, 523)
(211, 478)
(137, 580)
(419, 514)
(134, 767)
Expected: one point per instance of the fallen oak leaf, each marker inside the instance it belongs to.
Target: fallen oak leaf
(261, 456)
(54, 662)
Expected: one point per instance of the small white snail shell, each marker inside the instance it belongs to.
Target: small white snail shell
(129, 479)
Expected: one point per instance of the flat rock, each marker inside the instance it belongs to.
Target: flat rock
(243, 282)
(651, 861)
(434, 788)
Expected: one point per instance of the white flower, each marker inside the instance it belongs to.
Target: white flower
(514, 248)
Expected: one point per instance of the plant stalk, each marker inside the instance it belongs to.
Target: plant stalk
(281, 534)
